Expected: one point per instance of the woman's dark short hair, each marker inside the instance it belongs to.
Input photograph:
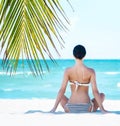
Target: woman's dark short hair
(79, 51)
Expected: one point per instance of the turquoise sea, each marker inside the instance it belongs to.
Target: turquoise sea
(23, 85)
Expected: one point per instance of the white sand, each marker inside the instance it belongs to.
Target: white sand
(35, 112)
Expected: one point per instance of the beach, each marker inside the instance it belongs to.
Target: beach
(26, 100)
(34, 112)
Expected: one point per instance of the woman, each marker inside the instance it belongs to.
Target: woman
(80, 77)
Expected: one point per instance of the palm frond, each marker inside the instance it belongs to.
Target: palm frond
(27, 29)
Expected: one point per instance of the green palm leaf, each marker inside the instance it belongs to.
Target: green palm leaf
(27, 29)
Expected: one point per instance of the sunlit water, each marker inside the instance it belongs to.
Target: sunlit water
(24, 85)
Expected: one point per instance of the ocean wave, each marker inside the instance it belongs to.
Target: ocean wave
(26, 73)
(11, 90)
(47, 85)
(118, 84)
(112, 73)
(8, 89)
(3, 73)
(17, 73)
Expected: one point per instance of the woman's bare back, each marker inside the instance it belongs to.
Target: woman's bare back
(82, 75)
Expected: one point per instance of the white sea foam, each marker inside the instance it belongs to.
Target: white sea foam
(26, 73)
(8, 89)
(112, 73)
(118, 84)
(47, 86)
(16, 73)
(2, 73)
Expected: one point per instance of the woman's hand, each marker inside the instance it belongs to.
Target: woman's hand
(52, 110)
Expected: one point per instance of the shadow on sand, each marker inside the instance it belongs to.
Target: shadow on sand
(115, 112)
(39, 111)
(109, 112)
(60, 112)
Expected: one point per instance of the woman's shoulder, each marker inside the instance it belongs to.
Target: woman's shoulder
(68, 69)
(91, 70)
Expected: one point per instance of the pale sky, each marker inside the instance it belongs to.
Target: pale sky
(94, 24)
